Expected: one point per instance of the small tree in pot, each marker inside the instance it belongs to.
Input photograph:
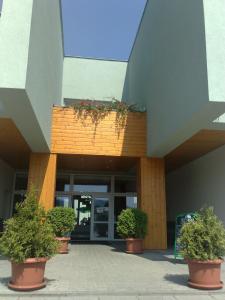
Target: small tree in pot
(202, 243)
(28, 240)
(63, 221)
(132, 226)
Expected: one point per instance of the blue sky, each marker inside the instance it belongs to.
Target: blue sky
(101, 28)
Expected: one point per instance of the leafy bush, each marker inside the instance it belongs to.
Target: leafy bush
(132, 223)
(28, 234)
(62, 220)
(204, 237)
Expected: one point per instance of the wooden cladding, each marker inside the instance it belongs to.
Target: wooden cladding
(72, 134)
(13, 147)
(42, 175)
(153, 201)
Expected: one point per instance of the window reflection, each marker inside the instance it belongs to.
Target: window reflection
(101, 230)
(62, 201)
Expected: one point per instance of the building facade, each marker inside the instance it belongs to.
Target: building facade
(162, 158)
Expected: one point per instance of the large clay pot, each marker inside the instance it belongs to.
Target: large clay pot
(205, 274)
(63, 242)
(134, 246)
(28, 275)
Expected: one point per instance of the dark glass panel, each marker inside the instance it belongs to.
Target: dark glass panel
(125, 185)
(101, 230)
(21, 182)
(62, 183)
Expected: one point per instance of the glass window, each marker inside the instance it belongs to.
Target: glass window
(101, 209)
(131, 201)
(90, 184)
(21, 182)
(63, 201)
(101, 230)
(63, 183)
(125, 185)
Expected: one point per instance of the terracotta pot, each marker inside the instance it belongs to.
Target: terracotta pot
(63, 248)
(205, 274)
(28, 275)
(134, 246)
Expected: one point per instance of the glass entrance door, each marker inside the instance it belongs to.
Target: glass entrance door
(101, 217)
(82, 207)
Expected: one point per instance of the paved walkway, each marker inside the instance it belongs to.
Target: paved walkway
(94, 272)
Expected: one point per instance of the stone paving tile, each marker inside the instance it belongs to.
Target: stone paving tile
(79, 298)
(193, 297)
(118, 297)
(218, 297)
(90, 270)
(156, 297)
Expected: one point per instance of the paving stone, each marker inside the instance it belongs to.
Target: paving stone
(118, 297)
(193, 297)
(93, 270)
(156, 297)
(218, 297)
(78, 298)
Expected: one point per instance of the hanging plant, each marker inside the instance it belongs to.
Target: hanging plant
(98, 111)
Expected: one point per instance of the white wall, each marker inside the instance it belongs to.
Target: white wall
(199, 183)
(6, 186)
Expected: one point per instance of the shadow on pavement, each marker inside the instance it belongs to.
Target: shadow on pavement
(5, 280)
(180, 279)
(153, 255)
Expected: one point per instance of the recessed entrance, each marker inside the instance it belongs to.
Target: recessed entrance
(97, 201)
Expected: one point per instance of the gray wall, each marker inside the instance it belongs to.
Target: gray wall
(45, 62)
(93, 79)
(31, 66)
(199, 183)
(6, 186)
(167, 71)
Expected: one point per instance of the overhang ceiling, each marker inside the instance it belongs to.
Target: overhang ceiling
(198, 145)
(13, 148)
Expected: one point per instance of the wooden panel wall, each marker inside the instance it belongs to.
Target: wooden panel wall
(74, 135)
(42, 174)
(152, 199)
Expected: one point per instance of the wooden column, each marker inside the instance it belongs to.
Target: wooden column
(152, 200)
(42, 175)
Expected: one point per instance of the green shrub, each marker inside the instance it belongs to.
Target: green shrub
(204, 237)
(132, 223)
(28, 234)
(62, 220)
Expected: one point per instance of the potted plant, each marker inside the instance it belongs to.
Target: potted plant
(132, 225)
(63, 221)
(28, 241)
(202, 243)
